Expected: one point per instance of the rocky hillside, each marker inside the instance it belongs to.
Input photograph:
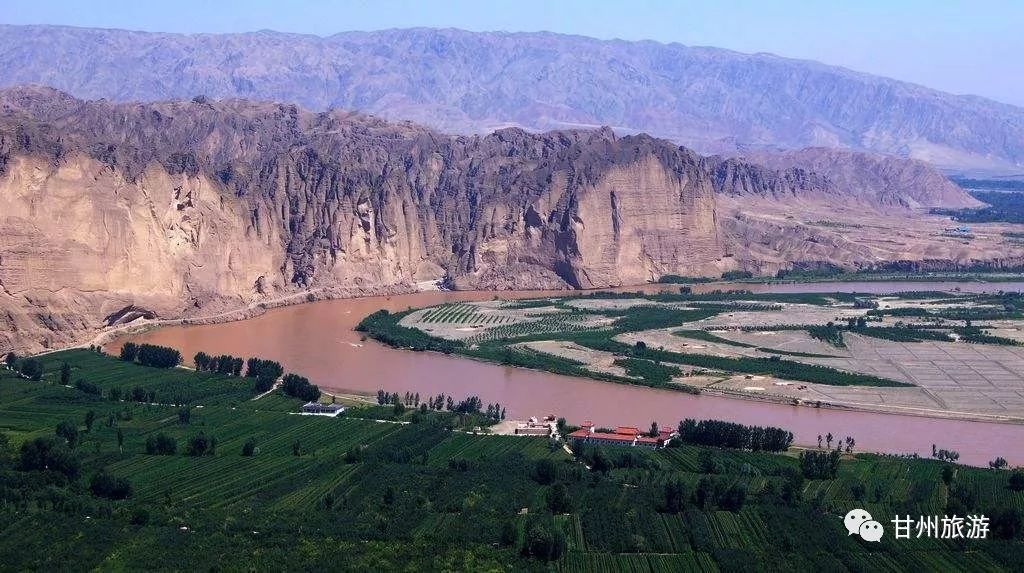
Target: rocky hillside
(190, 207)
(457, 81)
(181, 208)
(881, 179)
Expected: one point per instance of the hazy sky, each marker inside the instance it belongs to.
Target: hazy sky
(957, 46)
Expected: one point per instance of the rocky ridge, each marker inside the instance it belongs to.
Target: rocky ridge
(189, 208)
(706, 98)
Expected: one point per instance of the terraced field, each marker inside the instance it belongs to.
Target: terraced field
(420, 492)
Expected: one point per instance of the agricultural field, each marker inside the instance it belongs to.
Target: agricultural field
(476, 323)
(932, 353)
(394, 488)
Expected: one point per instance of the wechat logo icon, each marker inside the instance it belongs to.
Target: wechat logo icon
(860, 522)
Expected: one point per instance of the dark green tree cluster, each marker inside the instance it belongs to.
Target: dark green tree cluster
(677, 495)
(108, 486)
(150, 355)
(249, 448)
(30, 368)
(161, 445)
(88, 387)
(393, 399)
(201, 445)
(944, 454)
(68, 430)
(223, 364)
(140, 394)
(606, 459)
(819, 464)
(129, 351)
(544, 539)
(469, 405)
(495, 411)
(830, 333)
(383, 326)
(255, 367)
(736, 275)
(409, 399)
(719, 493)
(49, 454)
(56, 464)
(300, 387)
(440, 402)
(732, 435)
(1016, 481)
(266, 372)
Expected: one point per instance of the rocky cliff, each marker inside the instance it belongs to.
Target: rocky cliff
(182, 206)
(706, 98)
(113, 210)
(881, 179)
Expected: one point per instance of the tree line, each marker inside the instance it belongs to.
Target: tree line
(300, 387)
(30, 368)
(265, 372)
(441, 402)
(150, 355)
(723, 434)
(223, 364)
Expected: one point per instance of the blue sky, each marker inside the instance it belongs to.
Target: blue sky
(957, 46)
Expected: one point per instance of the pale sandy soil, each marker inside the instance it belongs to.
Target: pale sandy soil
(595, 360)
(949, 378)
(953, 377)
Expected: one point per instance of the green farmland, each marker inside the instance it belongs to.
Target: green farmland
(416, 492)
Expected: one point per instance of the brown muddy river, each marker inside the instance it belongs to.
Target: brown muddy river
(318, 341)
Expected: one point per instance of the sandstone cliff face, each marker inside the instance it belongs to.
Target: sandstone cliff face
(177, 209)
(739, 178)
(183, 206)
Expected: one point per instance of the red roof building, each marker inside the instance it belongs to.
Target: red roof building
(621, 436)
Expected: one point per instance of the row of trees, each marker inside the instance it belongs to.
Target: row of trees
(731, 435)
(848, 442)
(30, 368)
(198, 445)
(470, 405)
(223, 364)
(300, 387)
(412, 400)
(266, 372)
(150, 355)
(409, 399)
(710, 492)
(944, 454)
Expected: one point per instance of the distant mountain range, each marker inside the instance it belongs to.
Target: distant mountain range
(711, 99)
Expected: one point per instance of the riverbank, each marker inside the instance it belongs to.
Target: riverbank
(254, 309)
(391, 334)
(318, 340)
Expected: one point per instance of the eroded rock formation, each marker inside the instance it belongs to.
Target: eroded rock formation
(196, 207)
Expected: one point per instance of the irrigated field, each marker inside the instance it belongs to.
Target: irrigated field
(415, 489)
(929, 353)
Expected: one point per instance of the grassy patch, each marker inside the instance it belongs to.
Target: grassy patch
(653, 373)
(710, 337)
(829, 334)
